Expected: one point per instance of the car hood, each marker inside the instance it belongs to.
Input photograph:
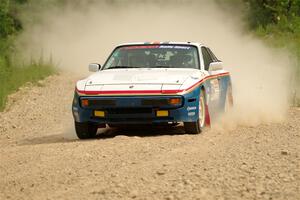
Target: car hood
(140, 76)
(139, 80)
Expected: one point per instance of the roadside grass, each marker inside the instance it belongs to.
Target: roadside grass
(12, 78)
(14, 74)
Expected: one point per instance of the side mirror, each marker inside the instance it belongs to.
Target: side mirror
(214, 66)
(94, 67)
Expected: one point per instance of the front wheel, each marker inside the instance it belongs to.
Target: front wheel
(196, 127)
(85, 130)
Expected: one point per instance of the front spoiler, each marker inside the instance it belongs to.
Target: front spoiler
(187, 112)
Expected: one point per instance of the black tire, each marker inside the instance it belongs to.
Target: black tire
(192, 127)
(85, 130)
(197, 126)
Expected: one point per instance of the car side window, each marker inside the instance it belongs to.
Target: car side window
(206, 57)
(215, 59)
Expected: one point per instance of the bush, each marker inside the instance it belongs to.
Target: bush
(278, 23)
(265, 12)
(11, 78)
(13, 74)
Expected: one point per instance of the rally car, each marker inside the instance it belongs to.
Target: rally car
(152, 83)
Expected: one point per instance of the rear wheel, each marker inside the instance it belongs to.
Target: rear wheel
(196, 127)
(85, 130)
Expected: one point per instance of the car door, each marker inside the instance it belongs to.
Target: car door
(213, 84)
(224, 82)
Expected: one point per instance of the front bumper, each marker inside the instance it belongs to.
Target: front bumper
(134, 110)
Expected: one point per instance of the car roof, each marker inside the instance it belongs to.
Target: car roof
(160, 43)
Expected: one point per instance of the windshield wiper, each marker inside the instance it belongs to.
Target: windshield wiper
(127, 67)
(121, 67)
(161, 66)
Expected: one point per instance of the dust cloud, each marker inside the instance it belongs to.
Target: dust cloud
(77, 35)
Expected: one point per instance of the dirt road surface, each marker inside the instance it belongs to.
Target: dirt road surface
(40, 157)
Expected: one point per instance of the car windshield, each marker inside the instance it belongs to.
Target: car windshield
(154, 56)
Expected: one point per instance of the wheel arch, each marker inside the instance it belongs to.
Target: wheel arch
(203, 89)
(207, 115)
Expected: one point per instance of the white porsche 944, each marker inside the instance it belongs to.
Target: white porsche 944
(153, 83)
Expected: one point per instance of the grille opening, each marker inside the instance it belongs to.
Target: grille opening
(138, 120)
(155, 102)
(102, 102)
(129, 111)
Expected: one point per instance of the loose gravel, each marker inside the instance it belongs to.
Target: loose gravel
(41, 158)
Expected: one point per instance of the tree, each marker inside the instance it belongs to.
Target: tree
(9, 23)
(264, 12)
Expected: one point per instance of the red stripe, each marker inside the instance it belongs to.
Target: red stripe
(148, 91)
(120, 92)
(204, 79)
(142, 47)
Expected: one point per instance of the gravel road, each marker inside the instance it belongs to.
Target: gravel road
(40, 157)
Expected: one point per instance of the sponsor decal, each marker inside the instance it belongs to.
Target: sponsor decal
(173, 47)
(191, 113)
(166, 47)
(142, 47)
(157, 47)
(191, 108)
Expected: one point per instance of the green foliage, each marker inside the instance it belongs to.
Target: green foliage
(265, 12)
(14, 77)
(6, 22)
(9, 23)
(13, 74)
(278, 23)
